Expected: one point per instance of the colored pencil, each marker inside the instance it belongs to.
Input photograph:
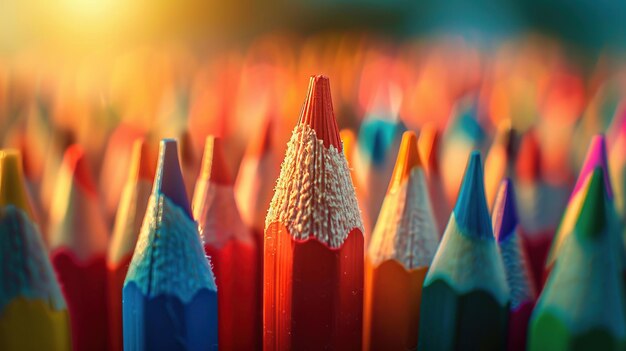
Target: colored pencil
(59, 142)
(78, 244)
(596, 157)
(128, 221)
(500, 160)
(169, 299)
(465, 298)
(537, 218)
(582, 305)
(117, 157)
(313, 280)
(462, 134)
(33, 313)
(231, 246)
(254, 189)
(518, 274)
(377, 149)
(403, 244)
(189, 161)
(428, 145)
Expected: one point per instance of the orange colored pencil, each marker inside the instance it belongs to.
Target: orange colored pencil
(403, 245)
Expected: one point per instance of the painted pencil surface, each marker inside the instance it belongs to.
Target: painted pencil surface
(231, 246)
(128, 221)
(33, 314)
(313, 280)
(465, 298)
(428, 145)
(518, 274)
(169, 297)
(596, 157)
(403, 244)
(582, 305)
(78, 244)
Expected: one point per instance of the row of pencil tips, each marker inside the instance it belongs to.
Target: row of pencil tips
(321, 256)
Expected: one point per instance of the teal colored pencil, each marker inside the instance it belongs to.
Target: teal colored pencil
(465, 300)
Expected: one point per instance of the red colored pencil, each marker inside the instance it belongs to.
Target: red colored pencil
(78, 244)
(313, 286)
(231, 247)
(128, 221)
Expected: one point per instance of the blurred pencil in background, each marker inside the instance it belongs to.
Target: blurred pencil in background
(128, 221)
(78, 244)
(231, 246)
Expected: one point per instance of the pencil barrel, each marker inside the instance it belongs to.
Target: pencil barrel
(235, 274)
(313, 295)
(84, 287)
(392, 306)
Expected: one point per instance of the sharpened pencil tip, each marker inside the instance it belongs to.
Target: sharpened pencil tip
(504, 211)
(471, 211)
(408, 158)
(318, 113)
(214, 167)
(169, 178)
(12, 187)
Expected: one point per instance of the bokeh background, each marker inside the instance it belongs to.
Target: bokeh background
(99, 73)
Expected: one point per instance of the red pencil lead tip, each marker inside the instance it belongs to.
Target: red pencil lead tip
(12, 188)
(169, 178)
(214, 166)
(408, 158)
(528, 165)
(76, 162)
(318, 113)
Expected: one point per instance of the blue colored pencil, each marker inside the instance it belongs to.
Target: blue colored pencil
(169, 296)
